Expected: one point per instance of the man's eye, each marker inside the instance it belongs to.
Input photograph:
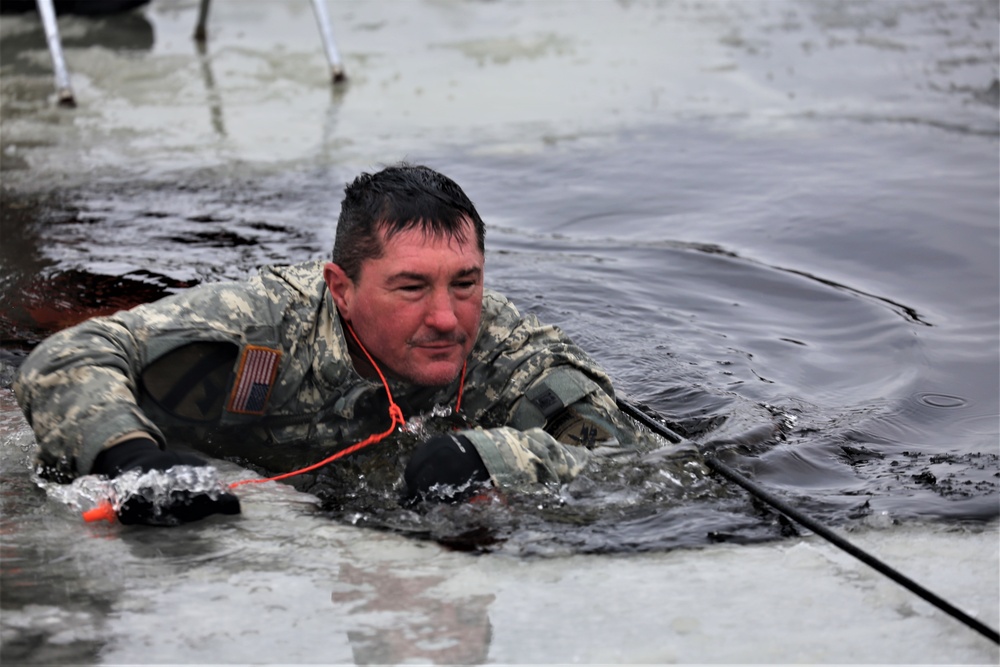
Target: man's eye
(411, 288)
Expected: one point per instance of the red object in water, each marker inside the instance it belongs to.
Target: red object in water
(103, 512)
(36, 306)
(488, 496)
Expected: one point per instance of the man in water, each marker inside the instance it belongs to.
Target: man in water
(281, 370)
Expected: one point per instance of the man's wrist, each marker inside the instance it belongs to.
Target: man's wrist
(125, 455)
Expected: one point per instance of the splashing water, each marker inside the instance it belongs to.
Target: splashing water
(154, 486)
(421, 426)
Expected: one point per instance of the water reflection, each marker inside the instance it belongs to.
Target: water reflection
(214, 99)
(406, 618)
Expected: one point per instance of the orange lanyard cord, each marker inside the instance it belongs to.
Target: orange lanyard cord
(461, 387)
(395, 415)
(397, 420)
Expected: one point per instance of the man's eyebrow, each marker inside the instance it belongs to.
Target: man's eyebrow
(470, 272)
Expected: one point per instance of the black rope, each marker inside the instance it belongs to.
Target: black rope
(713, 463)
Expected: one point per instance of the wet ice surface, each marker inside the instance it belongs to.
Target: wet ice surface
(729, 204)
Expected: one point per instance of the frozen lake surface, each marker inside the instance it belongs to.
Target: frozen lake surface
(732, 205)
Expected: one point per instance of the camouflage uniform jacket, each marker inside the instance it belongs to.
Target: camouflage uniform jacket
(260, 372)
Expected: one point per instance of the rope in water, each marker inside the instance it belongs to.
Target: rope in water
(815, 526)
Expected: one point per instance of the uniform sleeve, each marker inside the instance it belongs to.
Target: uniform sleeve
(78, 391)
(82, 388)
(514, 457)
(553, 441)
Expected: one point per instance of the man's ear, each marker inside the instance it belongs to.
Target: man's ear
(341, 288)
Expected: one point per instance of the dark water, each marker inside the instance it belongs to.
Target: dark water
(845, 280)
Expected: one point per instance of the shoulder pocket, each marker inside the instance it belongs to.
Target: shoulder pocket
(558, 389)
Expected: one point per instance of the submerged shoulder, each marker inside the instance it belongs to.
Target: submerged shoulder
(504, 327)
(501, 318)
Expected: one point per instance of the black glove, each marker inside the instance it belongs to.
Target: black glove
(445, 468)
(181, 507)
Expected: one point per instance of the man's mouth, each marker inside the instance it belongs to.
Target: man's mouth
(439, 343)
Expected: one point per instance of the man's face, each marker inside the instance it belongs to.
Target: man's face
(416, 309)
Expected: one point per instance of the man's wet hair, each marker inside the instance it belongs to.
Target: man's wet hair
(400, 197)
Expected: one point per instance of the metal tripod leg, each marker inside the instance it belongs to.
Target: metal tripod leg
(319, 7)
(336, 67)
(64, 91)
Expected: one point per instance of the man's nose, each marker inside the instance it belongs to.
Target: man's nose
(441, 311)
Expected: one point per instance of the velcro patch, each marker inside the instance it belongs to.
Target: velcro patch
(548, 402)
(254, 379)
(574, 429)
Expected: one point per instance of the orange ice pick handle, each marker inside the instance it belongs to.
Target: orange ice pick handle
(105, 511)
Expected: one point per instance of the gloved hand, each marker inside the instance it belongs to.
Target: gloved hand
(445, 468)
(182, 505)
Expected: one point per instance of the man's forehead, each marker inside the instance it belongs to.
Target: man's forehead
(462, 230)
(410, 252)
(406, 241)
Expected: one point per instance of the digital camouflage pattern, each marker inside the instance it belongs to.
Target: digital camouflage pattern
(260, 372)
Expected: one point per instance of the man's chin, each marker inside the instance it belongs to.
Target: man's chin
(438, 374)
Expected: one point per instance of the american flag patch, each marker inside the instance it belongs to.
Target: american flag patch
(258, 368)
